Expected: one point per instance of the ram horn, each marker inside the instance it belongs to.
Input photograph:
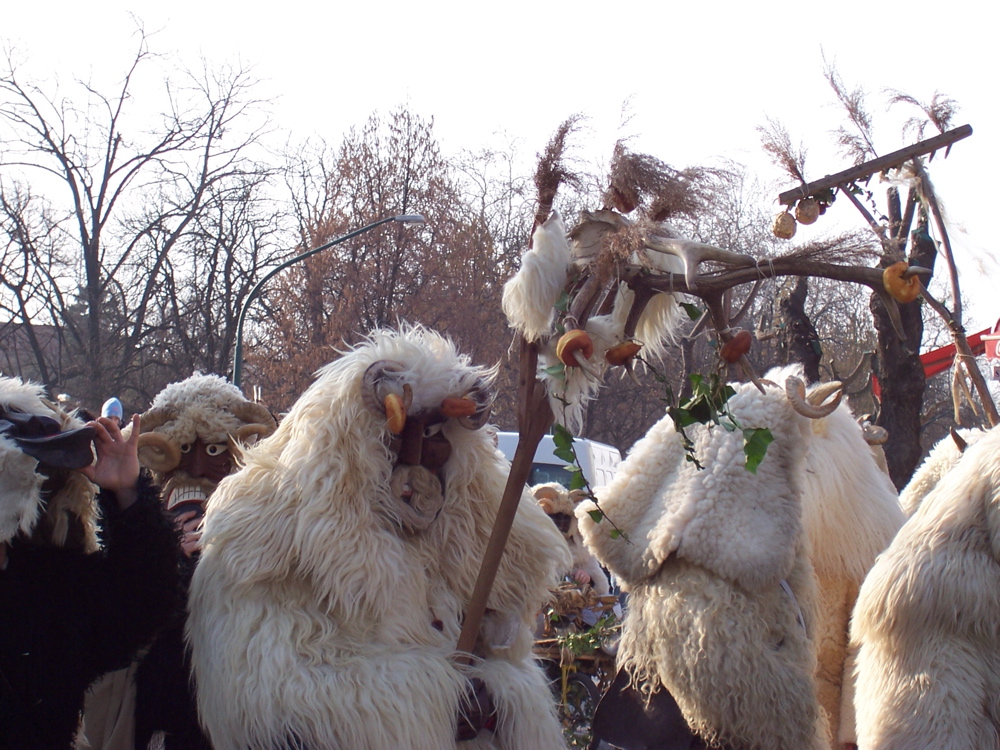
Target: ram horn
(250, 434)
(545, 493)
(874, 434)
(156, 417)
(483, 397)
(158, 453)
(253, 414)
(823, 391)
(960, 442)
(371, 397)
(795, 389)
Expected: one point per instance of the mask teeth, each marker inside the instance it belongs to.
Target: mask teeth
(186, 494)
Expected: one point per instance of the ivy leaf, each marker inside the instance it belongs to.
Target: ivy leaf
(596, 515)
(566, 454)
(615, 533)
(755, 445)
(692, 311)
(562, 437)
(562, 304)
(563, 440)
(557, 371)
(576, 480)
(700, 409)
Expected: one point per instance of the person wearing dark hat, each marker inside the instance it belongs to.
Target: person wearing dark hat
(71, 607)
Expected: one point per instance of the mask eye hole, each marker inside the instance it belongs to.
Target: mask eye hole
(216, 449)
(186, 447)
(432, 429)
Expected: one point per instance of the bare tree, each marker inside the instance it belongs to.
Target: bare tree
(121, 202)
(903, 231)
(429, 274)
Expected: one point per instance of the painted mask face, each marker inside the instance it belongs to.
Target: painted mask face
(187, 434)
(200, 469)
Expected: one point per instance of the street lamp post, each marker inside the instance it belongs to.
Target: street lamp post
(238, 351)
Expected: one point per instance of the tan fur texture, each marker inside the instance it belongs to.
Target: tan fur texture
(850, 513)
(20, 502)
(313, 615)
(709, 560)
(943, 456)
(927, 620)
(552, 497)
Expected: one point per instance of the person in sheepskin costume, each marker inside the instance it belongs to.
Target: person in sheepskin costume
(69, 609)
(716, 638)
(850, 512)
(927, 621)
(560, 504)
(190, 438)
(338, 563)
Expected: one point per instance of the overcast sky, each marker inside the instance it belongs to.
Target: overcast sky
(697, 78)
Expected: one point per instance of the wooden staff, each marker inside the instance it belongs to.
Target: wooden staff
(534, 417)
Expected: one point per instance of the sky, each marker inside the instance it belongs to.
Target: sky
(695, 79)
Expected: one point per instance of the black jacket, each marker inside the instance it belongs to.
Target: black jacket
(67, 617)
(164, 696)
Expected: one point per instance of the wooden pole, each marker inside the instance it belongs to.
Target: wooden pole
(882, 163)
(534, 417)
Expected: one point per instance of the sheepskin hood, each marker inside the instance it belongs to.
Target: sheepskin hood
(741, 526)
(38, 438)
(313, 586)
(202, 406)
(328, 472)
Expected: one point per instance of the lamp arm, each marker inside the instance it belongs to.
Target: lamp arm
(255, 291)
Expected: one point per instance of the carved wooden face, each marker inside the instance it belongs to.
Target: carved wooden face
(201, 467)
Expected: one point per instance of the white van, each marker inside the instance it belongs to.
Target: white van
(599, 461)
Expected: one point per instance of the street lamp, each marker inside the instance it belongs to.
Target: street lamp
(238, 351)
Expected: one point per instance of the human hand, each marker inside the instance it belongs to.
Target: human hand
(117, 466)
(582, 577)
(189, 522)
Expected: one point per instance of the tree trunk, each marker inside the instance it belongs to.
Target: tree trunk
(798, 341)
(900, 372)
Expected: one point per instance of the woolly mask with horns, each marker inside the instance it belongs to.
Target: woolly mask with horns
(190, 433)
(41, 493)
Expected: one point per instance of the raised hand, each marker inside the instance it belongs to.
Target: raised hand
(117, 465)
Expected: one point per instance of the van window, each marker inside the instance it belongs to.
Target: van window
(544, 473)
(598, 461)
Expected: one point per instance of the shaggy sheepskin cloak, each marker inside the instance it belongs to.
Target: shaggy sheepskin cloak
(721, 588)
(320, 619)
(927, 620)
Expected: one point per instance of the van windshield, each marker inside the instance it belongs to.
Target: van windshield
(542, 473)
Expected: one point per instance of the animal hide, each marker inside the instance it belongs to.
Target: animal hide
(850, 512)
(927, 621)
(317, 617)
(721, 587)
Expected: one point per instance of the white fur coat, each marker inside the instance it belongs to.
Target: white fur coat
(927, 621)
(315, 619)
(721, 587)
